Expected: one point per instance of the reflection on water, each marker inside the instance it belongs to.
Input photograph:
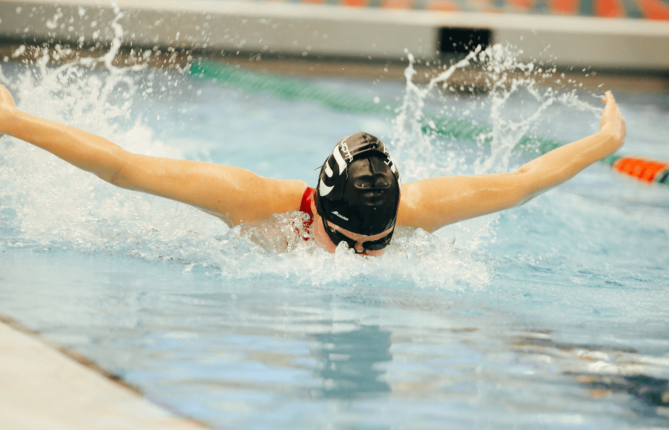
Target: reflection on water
(607, 371)
(652, 392)
(546, 342)
(349, 362)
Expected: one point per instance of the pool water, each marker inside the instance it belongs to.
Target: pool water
(551, 315)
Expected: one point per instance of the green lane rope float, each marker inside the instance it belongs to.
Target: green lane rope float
(293, 89)
(284, 88)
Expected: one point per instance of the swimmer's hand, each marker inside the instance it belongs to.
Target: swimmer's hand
(612, 122)
(7, 109)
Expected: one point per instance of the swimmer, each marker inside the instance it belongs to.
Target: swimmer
(359, 197)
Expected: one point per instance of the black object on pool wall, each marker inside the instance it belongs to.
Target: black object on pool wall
(456, 40)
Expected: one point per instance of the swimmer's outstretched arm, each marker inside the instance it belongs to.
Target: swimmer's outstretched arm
(233, 194)
(433, 203)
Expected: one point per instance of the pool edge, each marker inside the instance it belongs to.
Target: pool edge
(329, 31)
(46, 384)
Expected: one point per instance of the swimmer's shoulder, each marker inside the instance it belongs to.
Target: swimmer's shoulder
(256, 198)
(285, 195)
(410, 207)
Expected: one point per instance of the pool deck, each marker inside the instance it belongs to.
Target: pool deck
(42, 388)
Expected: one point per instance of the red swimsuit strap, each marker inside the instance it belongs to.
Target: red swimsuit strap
(305, 207)
(307, 198)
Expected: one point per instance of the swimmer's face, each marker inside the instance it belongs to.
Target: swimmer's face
(324, 240)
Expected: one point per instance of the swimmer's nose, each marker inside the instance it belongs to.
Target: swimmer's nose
(359, 248)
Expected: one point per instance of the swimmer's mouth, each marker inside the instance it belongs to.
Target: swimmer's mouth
(370, 245)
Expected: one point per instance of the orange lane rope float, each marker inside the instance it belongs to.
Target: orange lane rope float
(644, 169)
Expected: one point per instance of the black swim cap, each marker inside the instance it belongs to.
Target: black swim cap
(359, 186)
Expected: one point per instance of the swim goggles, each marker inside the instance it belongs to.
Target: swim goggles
(371, 245)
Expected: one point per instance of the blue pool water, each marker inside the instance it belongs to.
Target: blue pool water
(551, 315)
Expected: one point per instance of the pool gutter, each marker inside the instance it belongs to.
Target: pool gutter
(46, 386)
(304, 30)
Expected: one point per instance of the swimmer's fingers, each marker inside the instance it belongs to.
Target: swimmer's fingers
(608, 98)
(611, 105)
(6, 100)
(612, 119)
(7, 108)
(610, 109)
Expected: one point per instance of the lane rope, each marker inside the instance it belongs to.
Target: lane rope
(292, 89)
(641, 168)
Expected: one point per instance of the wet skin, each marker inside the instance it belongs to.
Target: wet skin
(324, 240)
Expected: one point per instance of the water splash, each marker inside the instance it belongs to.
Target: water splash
(501, 77)
(55, 205)
(415, 148)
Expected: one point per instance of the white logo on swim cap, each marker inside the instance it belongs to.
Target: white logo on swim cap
(339, 215)
(323, 189)
(340, 161)
(346, 151)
